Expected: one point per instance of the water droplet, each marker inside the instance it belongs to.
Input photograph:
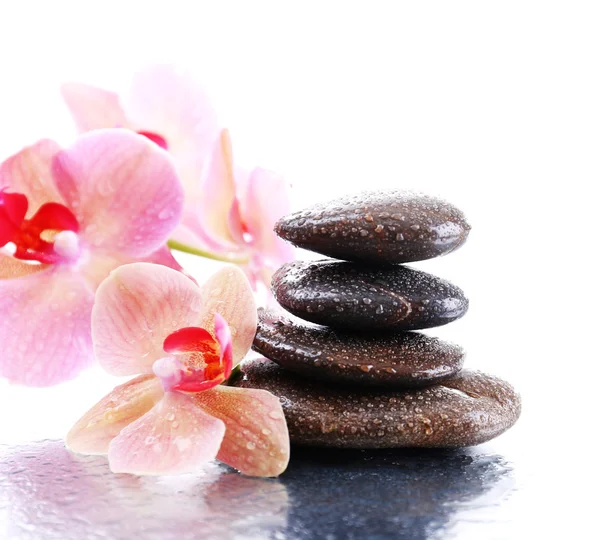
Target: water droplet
(367, 301)
(266, 431)
(165, 213)
(250, 445)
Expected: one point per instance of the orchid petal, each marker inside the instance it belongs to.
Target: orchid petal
(171, 105)
(229, 294)
(265, 200)
(256, 438)
(30, 172)
(45, 327)
(123, 189)
(100, 264)
(217, 208)
(164, 256)
(105, 420)
(136, 308)
(93, 108)
(174, 437)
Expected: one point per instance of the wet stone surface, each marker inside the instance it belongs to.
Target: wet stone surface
(465, 410)
(399, 359)
(352, 296)
(378, 227)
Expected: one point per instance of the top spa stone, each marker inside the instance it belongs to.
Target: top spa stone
(378, 227)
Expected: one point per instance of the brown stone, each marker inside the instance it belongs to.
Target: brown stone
(468, 409)
(378, 227)
(397, 359)
(355, 296)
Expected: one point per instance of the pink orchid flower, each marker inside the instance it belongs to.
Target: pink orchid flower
(67, 218)
(184, 340)
(236, 215)
(229, 214)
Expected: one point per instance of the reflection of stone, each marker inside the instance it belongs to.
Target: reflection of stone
(47, 492)
(412, 494)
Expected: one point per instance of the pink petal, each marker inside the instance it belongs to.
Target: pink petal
(171, 105)
(136, 308)
(99, 265)
(105, 420)
(123, 189)
(11, 268)
(93, 108)
(174, 437)
(30, 172)
(256, 438)
(164, 256)
(217, 210)
(229, 294)
(265, 200)
(45, 335)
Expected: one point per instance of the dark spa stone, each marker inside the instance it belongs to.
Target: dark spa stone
(401, 359)
(378, 227)
(468, 409)
(352, 296)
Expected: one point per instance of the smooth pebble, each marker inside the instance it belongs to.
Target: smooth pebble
(468, 409)
(378, 226)
(353, 296)
(399, 359)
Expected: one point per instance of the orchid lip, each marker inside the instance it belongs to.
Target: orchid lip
(198, 361)
(35, 238)
(157, 139)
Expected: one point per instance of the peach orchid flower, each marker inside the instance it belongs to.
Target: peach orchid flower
(184, 340)
(229, 214)
(67, 218)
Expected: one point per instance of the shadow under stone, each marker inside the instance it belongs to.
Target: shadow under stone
(387, 493)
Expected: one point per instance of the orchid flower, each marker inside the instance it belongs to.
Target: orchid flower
(184, 341)
(67, 218)
(229, 214)
(236, 215)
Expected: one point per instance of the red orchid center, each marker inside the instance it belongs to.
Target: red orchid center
(47, 237)
(198, 361)
(155, 138)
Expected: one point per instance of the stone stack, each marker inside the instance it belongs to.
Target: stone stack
(347, 365)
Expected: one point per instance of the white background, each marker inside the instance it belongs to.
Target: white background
(493, 105)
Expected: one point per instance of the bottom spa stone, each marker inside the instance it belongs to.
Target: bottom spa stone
(468, 409)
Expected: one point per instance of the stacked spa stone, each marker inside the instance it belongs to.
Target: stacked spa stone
(347, 365)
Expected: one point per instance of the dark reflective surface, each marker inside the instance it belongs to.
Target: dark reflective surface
(388, 494)
(46, 492)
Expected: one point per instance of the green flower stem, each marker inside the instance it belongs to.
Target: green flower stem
(234, 373)
(178, 246)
